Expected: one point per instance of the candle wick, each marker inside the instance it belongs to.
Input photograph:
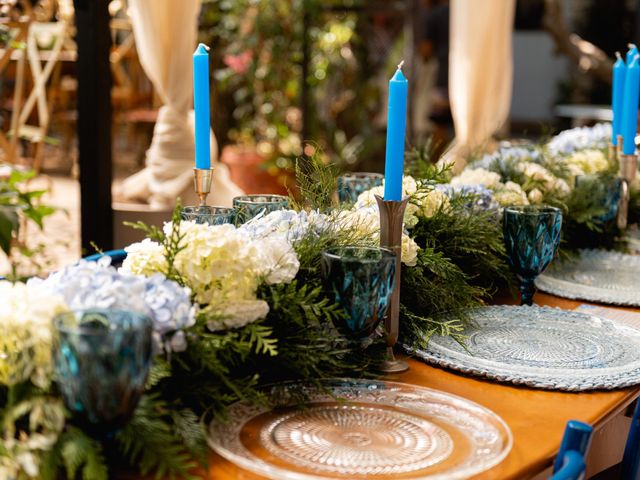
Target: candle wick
(631, 45)
(400, 65)
(206, 47)
(618, 56)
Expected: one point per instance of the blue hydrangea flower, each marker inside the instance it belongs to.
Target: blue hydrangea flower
(99, 285)
(580, 138)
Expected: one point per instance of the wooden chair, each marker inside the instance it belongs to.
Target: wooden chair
(38, 98)
(570, 464)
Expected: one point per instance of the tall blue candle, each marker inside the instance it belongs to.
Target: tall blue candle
(396, 127)
(617, 97)
(629, 125)
(632, 52)
(201, 106)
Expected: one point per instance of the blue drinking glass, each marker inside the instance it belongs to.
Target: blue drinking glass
(351, 185)
(102, 358)
(250, 206)
(606, 193)
(208, 215)
(360, 280)
(531, 237)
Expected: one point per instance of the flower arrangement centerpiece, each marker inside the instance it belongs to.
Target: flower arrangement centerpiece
(234, 308)
(571, 171)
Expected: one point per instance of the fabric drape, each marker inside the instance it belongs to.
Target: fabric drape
(480, 73)
(165, 33)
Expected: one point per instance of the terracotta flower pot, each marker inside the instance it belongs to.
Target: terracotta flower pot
(247, 170)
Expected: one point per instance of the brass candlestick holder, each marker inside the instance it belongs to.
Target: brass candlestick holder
(202, 183)
(391, 223)
(628, 169)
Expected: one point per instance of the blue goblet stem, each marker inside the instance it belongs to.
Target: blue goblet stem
(527, 290)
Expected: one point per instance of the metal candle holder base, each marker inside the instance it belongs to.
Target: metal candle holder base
(391, 223)
(628, 169)
(202, 183)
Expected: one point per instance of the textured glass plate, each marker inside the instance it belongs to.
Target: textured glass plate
(542, 347)
(597, 276)
(360, 429)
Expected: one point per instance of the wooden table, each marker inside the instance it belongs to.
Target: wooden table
(537, 418)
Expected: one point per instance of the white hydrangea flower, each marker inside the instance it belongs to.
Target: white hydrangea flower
(238, 314)
(26, 312)
(224, 265)
(477, 176)
(144, 258)
(279, 260)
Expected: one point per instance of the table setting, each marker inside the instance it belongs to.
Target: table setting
(353, 330)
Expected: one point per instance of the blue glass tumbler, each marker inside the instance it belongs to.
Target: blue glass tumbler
(250, 206)
(208, 215)
(360, 280)
(531, 237)
(102, 358)
(351, 185)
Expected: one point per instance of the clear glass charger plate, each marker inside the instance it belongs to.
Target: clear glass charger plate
(542, 347)
(595, 275)
(359, 429)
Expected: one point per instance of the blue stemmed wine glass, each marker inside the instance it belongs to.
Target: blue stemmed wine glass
(531, 237)
(351, 185)
(208, 215)
(102, 358)
(360, 280)
(250, 206)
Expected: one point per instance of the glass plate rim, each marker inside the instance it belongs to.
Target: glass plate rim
(259, 466)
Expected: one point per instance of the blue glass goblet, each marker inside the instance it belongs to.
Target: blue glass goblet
(351, 185)
(531, 237)
(102, 358)
(208, 215)
(250, 206)
(605, 192)
(360, 280)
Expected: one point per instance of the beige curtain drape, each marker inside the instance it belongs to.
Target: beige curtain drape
(480, 73)
(165, 32)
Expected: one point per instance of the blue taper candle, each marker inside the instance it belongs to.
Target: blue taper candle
(396, 128)
(201, 106)
(631, 53)
(617, 97)
(630, 107)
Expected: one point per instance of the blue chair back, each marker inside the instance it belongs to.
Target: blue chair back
(631, 458)
(573, 467)
(570, 464)
(117, 257)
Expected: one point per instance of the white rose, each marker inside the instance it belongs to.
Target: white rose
(432, 202)
(535, 196)
(409, 251)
